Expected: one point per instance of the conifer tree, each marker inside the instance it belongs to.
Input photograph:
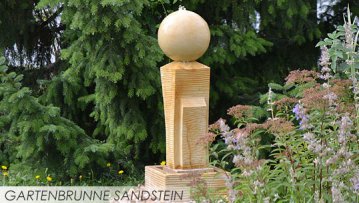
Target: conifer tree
(36, 135)
(32, 37)
(113, 60)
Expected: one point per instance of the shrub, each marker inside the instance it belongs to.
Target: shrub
(306, 150)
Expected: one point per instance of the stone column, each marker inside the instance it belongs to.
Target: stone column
(184, 37)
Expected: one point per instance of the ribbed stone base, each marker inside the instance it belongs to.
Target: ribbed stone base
(184, 185)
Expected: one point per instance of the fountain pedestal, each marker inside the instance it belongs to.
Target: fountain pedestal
(184, 37)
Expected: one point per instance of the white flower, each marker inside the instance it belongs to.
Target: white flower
(336, 194)
(247, 173)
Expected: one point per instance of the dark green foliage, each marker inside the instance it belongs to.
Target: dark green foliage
(234, 40)
(113, 71)
(36, 135)
(107, 79)
(30, 37)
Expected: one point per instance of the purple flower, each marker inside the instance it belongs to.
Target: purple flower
(232, 192)
(301, 116)
(337, 195)
(324, 59)
(356, 187)
(355, 181)
(304, 122)
(344, 130)
(296, 111)
(332, 97)
(223, 126)
(313, 143)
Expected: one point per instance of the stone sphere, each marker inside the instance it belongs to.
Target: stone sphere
(184, 36)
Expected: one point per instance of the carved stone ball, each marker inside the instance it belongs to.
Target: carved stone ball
(184, 36)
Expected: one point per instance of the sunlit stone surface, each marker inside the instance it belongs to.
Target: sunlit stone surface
(184, 36)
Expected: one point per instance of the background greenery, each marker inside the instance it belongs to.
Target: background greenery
(90, 93)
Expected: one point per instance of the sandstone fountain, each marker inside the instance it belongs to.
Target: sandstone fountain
(184, 37)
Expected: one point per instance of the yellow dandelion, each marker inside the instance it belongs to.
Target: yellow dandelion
(48, 178)
(120, 172)
(37, 177)
(4, 167)
(5, 173)
(163, 163)
(80, 177)
(108, 164)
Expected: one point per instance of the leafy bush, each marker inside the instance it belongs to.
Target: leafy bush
(34, 136)
(306, 150)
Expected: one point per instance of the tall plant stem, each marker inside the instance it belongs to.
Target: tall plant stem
(320, 180)
(314, 178)
(328, 188)
(321, 151)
